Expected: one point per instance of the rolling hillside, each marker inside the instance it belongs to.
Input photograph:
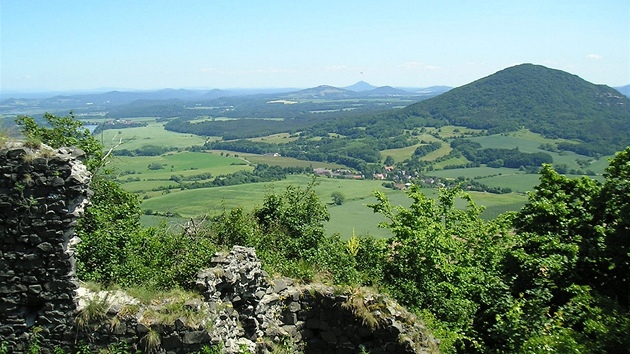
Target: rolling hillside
(551, 102)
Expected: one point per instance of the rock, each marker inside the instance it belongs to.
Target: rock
(196, 337)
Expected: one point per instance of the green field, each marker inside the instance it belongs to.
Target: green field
(529, 142)
(352, 215)
(153, 134)
(275, 138)
(280, 160)
(175, 163)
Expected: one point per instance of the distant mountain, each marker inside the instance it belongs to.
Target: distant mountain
(323, 91)
(360, 87)
(216, 93)
(550, 102)
(624, 89)
(435, 90)
(386, 91)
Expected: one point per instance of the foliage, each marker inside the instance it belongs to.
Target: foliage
(293, 221)
(106, 229)
(94, 311)
(441, 258)
(164, 259)
(65, 131)
(338, 198)
(567, 293)
(546, 101)
(550, 285)
(613, 211)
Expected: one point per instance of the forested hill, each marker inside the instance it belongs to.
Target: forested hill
(547, 101)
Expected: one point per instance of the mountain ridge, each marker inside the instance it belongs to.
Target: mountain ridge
(551, 102)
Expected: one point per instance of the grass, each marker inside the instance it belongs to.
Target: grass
(212, 200)
(94, 312)
(153, 134)
(275, 138)
(529, 142)
(280, 160)
(444, 150)
(352, 215)
(364, 308)
(151, 341)
(178, 163)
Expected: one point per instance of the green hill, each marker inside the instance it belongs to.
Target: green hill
(551, 102)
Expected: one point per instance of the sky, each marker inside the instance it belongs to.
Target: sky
(65, 45)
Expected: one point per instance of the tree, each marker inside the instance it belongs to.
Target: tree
(338, 197)
(113, 215)
(569, 264)
(442, 259)
(65, 131)
(614, 205)
(389, 161)
(155, 166)
(295, 219)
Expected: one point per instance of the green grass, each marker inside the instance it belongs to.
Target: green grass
(517, 182)
(473, 172)
(529, 142)
(175, 163)
(185, 163)
(352, 215)
(275, 138)
(444, 150)
(152, 134)
(280, 160)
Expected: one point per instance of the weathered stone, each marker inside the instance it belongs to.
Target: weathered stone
(142, 328)
(171, 342)
(196, 337)
(38, 284)
(279, 285)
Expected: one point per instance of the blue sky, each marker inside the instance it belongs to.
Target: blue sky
(141, 44)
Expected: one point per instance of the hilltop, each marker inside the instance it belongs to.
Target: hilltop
(551, 102)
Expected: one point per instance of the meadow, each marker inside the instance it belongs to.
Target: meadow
(352, 216)
(152, 134)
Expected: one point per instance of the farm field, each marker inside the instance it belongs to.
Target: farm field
(213, 200)
(180, 163)
(497, 177)
(352, 215)
(153, 134)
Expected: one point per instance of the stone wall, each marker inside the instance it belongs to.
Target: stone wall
(243, 311)
(237, 308)
(42, 192)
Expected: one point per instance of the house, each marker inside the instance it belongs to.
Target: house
(323, 171)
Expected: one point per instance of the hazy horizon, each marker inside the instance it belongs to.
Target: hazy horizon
(72, 45)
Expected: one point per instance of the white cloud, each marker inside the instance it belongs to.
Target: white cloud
(594, 57)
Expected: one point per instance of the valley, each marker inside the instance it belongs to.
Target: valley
(189, 154)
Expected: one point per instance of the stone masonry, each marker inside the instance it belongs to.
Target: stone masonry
(42, 193)
(238, 308)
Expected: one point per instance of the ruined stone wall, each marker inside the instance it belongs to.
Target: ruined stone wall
(239, 308)
(242, 310)
(42, 192)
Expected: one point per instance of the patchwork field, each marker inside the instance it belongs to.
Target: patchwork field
(152, 134)
(354, 214)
